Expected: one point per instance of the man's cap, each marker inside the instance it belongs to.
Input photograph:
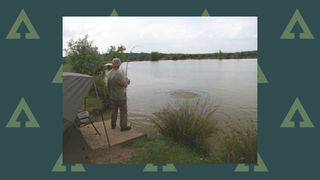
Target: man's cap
(116, 62)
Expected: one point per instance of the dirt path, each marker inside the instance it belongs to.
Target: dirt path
(116, 154)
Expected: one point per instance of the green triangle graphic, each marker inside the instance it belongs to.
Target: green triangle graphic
(261, 77)
(22, 17)
(205, 13)
(150, 168)
(114, 13)
(30, 123)
(59, 167)
(169, 168)
(297, 18)
(58, 77)
(77, 168)
(260, 167)
(242, 168)
(289, 123)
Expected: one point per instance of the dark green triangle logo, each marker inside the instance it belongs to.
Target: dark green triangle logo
(297, 18)
(114, 13)
(259, 167)
(288, 122)
(169, 168)
(205, 13)
(150, 168)
(22, 18)
(165, 168)
(60, 167)
(58, 77)
(261, 77)
(30, 123)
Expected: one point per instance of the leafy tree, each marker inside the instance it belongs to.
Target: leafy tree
(155, 56)
(220, 55)
(114, 52)
(84, 57)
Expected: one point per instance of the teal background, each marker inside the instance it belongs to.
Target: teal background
(28, 67)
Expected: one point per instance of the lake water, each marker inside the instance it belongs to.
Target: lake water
(231, 85)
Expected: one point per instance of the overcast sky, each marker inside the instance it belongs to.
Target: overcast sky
(165, 34)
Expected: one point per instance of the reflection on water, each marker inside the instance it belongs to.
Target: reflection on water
(230, 84)
(183, 94)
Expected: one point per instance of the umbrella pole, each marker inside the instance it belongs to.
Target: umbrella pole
(104, 125)
(105, 129)
(85, 108)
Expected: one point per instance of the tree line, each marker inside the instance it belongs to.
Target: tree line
(154, 56)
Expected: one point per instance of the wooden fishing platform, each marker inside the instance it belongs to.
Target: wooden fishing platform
(116, 137)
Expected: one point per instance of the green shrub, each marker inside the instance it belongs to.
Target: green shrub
(101, 90)
(240, 146)
(84, 57)
(93, 103)
(189, 123)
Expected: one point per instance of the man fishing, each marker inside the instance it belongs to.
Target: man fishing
(116, 86)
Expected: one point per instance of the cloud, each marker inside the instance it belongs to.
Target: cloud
(165, 34)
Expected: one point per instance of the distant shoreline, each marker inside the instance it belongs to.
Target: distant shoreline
(155, 56)
(189, 60)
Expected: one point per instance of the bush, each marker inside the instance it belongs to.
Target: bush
(102, 91)
(240, 146)
(115, 52)
(93, 103)
(84, 57)
(189, 123)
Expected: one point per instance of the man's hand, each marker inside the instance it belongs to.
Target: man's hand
(127, 80)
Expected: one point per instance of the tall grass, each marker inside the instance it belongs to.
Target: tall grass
(189, 122)
(240, 146)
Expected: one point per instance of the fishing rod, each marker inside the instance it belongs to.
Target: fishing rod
(131, 50)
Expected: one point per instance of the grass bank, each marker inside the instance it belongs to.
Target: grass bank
(164, 150)
(189, 132)
(236, 147)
